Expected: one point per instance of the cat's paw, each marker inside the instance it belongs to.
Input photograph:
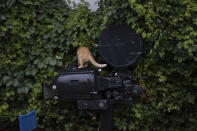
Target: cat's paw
(80, 67)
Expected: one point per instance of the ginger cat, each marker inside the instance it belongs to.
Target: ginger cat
(84, 56)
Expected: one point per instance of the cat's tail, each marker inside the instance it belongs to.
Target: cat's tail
(91, 59)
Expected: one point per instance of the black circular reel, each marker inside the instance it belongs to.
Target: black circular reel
(120, 45)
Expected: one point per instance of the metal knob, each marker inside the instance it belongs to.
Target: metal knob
(55, 98)
(99, 70)
(54, 87)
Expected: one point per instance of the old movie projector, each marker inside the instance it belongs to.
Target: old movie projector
(119, 46)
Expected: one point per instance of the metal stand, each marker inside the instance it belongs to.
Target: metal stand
(106, 118)
(106, 109)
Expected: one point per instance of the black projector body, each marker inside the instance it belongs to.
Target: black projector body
(119, 46)
(86, 84)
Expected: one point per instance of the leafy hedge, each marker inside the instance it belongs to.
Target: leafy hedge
(39, 38)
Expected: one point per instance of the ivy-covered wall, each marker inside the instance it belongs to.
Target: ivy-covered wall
(39, 38)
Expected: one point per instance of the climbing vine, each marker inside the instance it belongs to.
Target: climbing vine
(39, 38)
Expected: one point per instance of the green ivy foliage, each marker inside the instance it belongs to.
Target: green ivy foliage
(39, 38)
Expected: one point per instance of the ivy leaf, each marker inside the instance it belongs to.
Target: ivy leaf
(4, 106)
(25, 88)
(40, 65)
(31, 71)
(10, 3)
(60, 63)
(15, 82)
(161, 54)
(51, 61)
(9, 83)
(6, 78)
(22, 90)
(195, 21)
